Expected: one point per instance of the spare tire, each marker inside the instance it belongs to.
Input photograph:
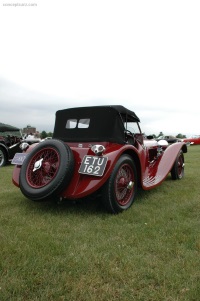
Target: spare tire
(47, 170)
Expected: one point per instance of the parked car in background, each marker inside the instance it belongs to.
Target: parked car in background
(194, 140)
(169, 139)
(10, 140)
(96, 150)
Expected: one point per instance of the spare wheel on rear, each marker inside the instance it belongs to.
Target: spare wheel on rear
(47, 170)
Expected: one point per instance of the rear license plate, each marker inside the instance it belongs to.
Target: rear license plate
(19, 158)
(92, 165)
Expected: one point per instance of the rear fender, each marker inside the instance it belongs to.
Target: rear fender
(82, 185)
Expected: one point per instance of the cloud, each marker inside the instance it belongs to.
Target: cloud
(140, 54)
(21, 106)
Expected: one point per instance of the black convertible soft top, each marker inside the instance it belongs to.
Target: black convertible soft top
(122, 110)
(106, 123)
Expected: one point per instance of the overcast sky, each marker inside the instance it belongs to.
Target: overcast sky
(144, 55)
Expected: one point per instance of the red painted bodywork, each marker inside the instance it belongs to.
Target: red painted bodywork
(193, 140)
(152, 165)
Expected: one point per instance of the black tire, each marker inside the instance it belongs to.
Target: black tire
(177, 171)
(47, 170)
(120, 189)
(3, 157)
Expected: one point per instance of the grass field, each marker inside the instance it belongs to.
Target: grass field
(78, 252)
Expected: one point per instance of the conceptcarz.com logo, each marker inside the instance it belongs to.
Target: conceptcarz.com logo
(19, 4)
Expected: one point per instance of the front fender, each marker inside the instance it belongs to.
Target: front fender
(4, 147)
(157, 171)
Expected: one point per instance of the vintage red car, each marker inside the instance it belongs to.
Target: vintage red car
(98, 149)
(194, 140)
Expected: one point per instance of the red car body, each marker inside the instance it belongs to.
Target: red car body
(192, 140)
(94, 149)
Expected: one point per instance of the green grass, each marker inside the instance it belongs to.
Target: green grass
(78, 252)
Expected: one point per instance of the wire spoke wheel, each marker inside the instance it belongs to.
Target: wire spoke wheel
(123, 189)
(180, 166)
(47, 170)
(120, 189)
(43, 168)
(177, 171)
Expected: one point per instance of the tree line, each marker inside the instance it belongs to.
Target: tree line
(44, 134)
(181, 136)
